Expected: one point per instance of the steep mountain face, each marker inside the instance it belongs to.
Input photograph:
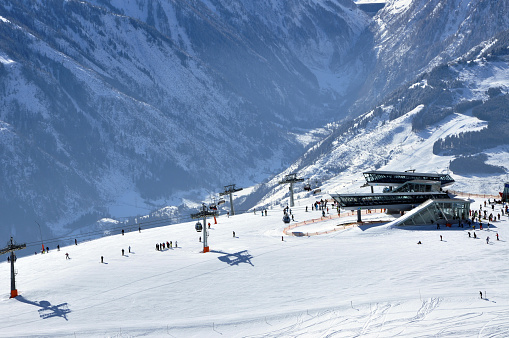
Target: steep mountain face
(410, 37)
(454, 117)
(100, 99)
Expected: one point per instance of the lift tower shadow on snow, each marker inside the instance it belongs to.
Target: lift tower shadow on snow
(11, 247)
(291, 178)
(229, 190)
(203, 214)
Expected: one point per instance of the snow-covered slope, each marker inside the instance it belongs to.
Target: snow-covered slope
(361, 281)
(451, 119)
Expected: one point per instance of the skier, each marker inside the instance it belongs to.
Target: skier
(175, 243)
(171, 245)
(102, 259)
(200, 239)
(157, 247)
(440, 237)
(58, 247)
(497, 236)
(67, 256)
(234, 234)
(129, 249)
(419, 242)
(282, 239)
(122, 252)
(475, 236)
(265, 212)
(469, 234)
(480, 292)
(228, 214)
(306, 208)
(139, 229)
(487, 240)
(122, 232)
(75, 241)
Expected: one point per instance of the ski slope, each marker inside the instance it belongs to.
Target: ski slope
(367, 281)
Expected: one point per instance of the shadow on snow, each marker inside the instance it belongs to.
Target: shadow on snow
(235, 258)
(47, 310)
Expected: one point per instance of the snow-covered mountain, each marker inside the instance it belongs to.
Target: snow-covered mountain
(132, 103)
(121, 107)
(454, 118)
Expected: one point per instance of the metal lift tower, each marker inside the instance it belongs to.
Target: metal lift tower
(203, 214)
(291, 178)
(229, 190)
(11, 248)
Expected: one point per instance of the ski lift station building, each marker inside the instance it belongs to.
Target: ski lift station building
(421, 193)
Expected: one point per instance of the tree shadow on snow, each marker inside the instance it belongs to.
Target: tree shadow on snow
(47, 310)
(235, 258)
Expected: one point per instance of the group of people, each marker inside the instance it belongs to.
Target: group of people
(167, 245)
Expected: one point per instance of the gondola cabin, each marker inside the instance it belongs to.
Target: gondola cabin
(198, 226)
(307, 187)
(221, 201)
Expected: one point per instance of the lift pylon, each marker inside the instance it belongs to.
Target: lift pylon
(229, 190)
(291, 178)
(203, 214)
(11, 247)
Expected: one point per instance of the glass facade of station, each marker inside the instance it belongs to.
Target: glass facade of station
(396, 178)
(373, 201)
(446, 211)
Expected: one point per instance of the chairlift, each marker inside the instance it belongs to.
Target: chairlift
(286, 219)
(198, 226)
(317, 191)
(213, 206)
(307, 187)
(221, 201)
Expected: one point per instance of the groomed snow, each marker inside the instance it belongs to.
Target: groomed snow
(372, 281)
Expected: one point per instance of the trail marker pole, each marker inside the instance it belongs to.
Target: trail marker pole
(11, 247)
